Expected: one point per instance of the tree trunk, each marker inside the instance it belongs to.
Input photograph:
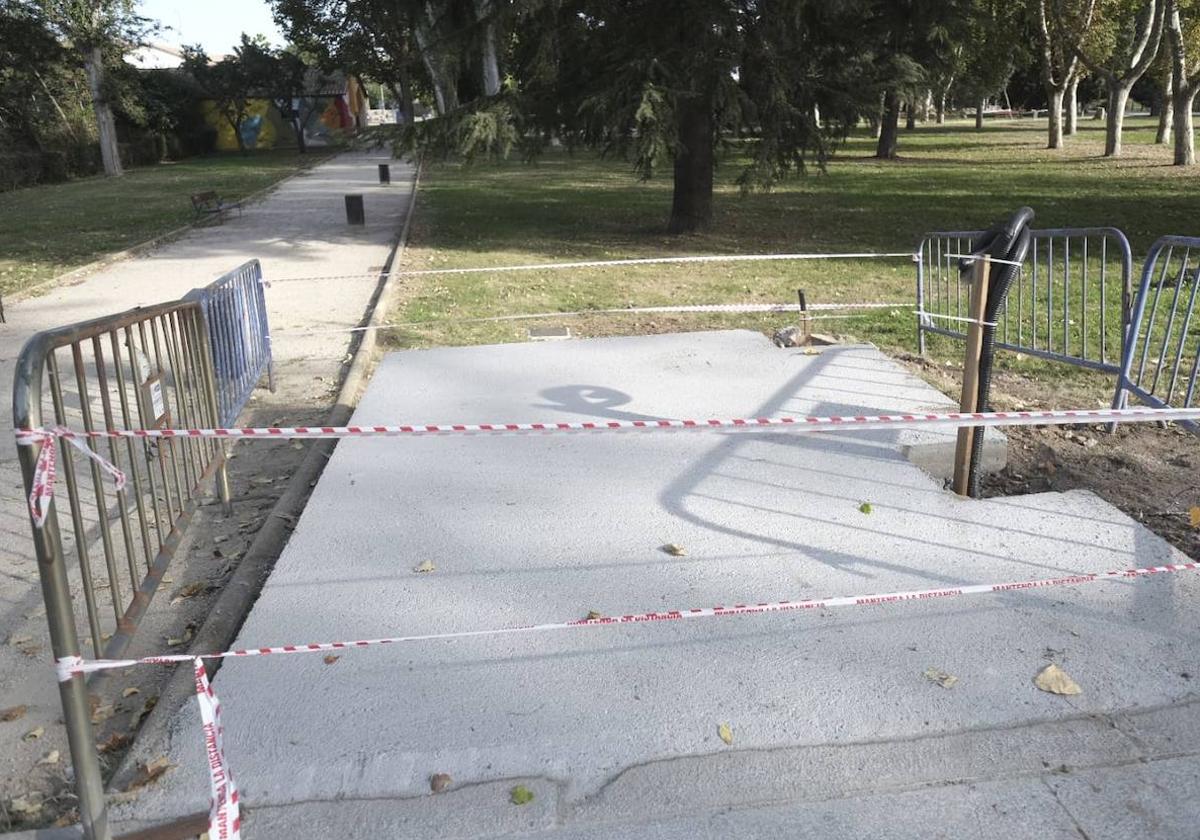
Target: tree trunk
(1166, 112)
(491, 66)
(1118, 97)
(1054, 138)
(444, 81)
(1185, 145)
(1072, 107)
(979, 114)
(940, 116)
(889, 127)
(910, 117)
(301, 140)
(106, 127)
(691, 204)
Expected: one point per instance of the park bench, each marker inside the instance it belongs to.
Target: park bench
(209, 203)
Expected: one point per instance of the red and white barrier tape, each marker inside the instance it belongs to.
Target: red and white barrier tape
(44, 476)
(71, 666)
(224, 818)
(46, 469)
(711, 258)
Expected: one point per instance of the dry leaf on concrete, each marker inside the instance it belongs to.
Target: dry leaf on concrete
(331, 658)
(34, 734)
(25, 806)
(438, 782)
(427, 566)
(675, 550)
(150, 771)
(943, 679)
(13, 713)
(49, 758)
(189, 590)
(1054, 680)
(129, 692)
(114, 742)
(725, 733)
(593, 615)
(1194, 516)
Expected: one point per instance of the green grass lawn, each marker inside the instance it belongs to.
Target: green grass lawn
(573, 207)
(51, 229)
(581, 207)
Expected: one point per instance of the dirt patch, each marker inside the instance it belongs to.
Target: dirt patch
(1144, 469)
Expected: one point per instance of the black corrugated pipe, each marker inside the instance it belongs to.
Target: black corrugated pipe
(1009, 242)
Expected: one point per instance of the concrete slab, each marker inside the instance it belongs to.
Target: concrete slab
(618, 726)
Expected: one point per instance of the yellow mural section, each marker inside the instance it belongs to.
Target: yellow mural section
(329, 121)
(260, 130)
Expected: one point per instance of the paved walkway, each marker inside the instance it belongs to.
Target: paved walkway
(836, 729)
(299, 229)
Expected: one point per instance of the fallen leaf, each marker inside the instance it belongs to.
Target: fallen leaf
(189, 590)
(103, 713)
(427, 566)
(34, 734)
(675, 550)
(13, 713)
(49, 758)
(438, 782)
(943, 679)
(1054, 680)
(1194, 516)
(865, 507)
(331, 658)
(114, 742)
(725, 733)
(25, 806)
(150, 771)
(593, 615)
(520, 795)
(17, 641)
(129, 692)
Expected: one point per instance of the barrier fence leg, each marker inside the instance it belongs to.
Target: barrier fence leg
(64, 642)
(970, 388)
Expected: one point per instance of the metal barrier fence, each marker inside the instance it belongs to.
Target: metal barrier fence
(1070, 302)
(235, 308)
(1160, 363)
(145, 368)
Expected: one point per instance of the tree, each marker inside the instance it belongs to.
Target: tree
(1058, 39)
(228, 83)
(1133, 49)
(371, 38)
(97, 30)
(913, 41)
(29, 53)
(991, 51)
(1185, 76)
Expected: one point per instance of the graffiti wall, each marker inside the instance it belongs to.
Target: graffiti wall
(326, 119)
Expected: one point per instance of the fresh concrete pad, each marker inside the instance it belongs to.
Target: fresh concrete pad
(616, 728)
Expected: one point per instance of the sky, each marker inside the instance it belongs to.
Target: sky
(217, 25)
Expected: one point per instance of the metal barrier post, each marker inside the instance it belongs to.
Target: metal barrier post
(64, 643)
